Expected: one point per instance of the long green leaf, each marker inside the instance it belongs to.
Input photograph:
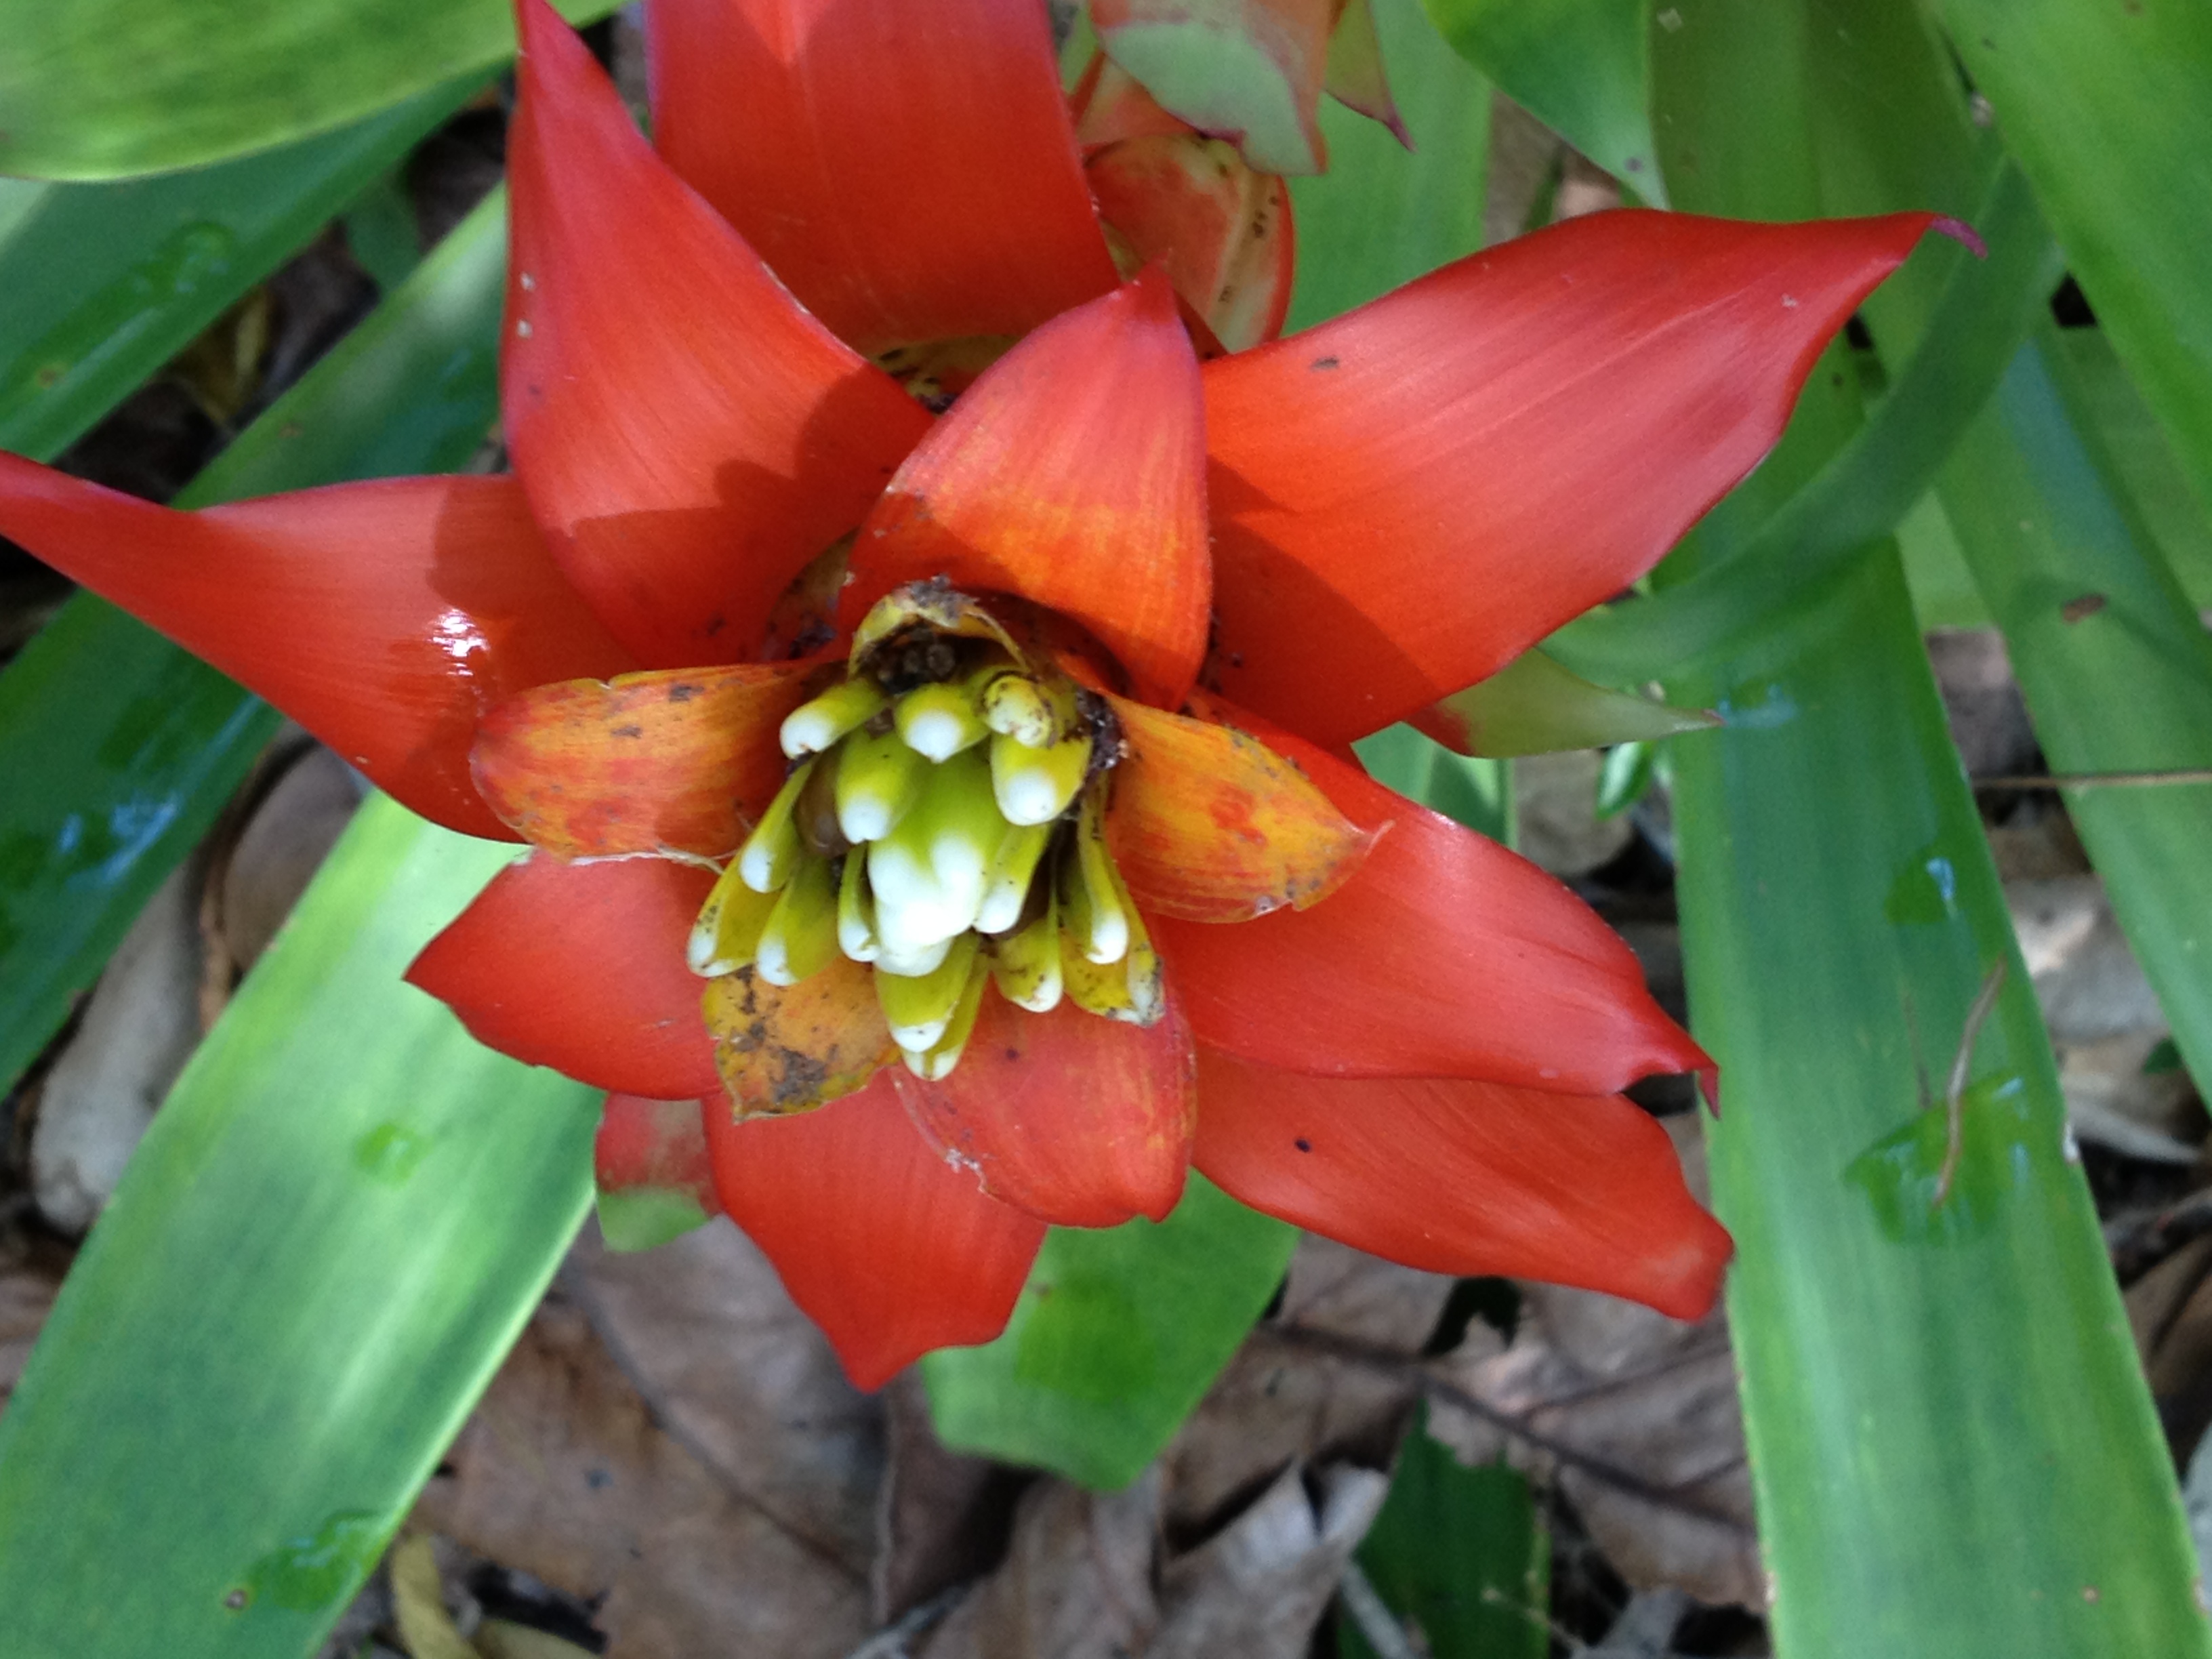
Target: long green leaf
(1379, 217)
(107, 282)
(2141, 458)
(1937, 1375)
(335, 1227)
(1582, 67)
(2109, 108)
(119, 749)
(1116, 1335)
(414, 388)
(1937, 1390)
(2115, 665)
(1533, 706)
(105, 88)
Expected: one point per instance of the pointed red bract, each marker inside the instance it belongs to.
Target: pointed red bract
(1408, 497)
(1081, 1121)
(1073, 474)
(885, 1245)
(385, 617)
(581, 967)
(1467, 1178)
(688, 436)
(908, 170)
(1444, 956)
(681, 760)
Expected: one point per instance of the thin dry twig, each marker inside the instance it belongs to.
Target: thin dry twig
(1962, 1063)
(1519, 1428)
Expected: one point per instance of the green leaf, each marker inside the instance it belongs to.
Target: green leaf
(1582, 67)
(1533, 706)
(105, 88)
(2141, 459)
(2106, 107)
(1210, 68)
(1379, 216)
(1628, 773)
(414, 388)
(126, 747)
(1906, 1366)
(119, 751)
(1478, 792)
(2115, 665)
(1904, 1363)
(1457, 1555)
(107, 282)
(323, 1247)
(647, 1218)
(381, 231)
(1116, 1337)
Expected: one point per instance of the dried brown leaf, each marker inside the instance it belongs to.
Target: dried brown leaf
(724, 1507)
(943, 1518)
(1634, 1414)
(1276, 1406)
(703, 1330)
(1256, 1589)
(1077, 1583)
(138, 1030)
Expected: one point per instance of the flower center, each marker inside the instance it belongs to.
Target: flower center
(943, 822)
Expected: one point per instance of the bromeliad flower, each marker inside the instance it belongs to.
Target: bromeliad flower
(1003, 883)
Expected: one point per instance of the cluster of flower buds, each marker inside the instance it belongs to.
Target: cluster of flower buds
(943, 821)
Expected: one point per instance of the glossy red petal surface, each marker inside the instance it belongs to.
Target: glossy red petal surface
(888, 1248)
(385, 617)
(909, 171)
(675, 759)
(581, 967)
(1406, 498)
(1221, 230)
(1080, 1120)
(689, 437)
(1444, 956)
(1072, 473)
(1467, 1178)
(660, 1144)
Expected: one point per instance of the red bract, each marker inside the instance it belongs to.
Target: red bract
(1370, 1020)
